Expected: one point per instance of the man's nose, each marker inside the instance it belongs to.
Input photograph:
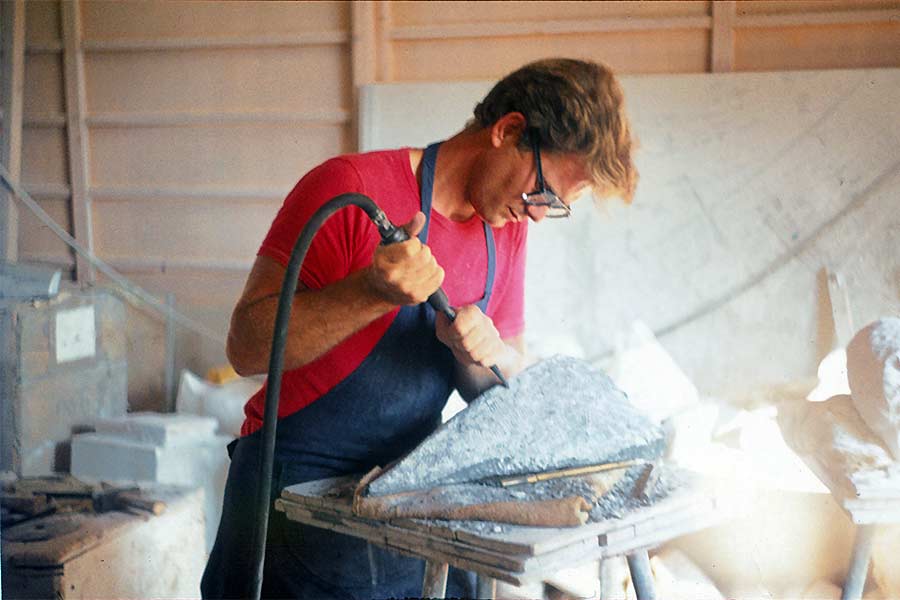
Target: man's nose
(536, 213)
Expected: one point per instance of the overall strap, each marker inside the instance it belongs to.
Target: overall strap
(429, 160)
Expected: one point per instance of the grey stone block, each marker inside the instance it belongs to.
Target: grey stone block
(47, 390)
(558, 413)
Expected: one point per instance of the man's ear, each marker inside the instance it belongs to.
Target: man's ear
(508, 129)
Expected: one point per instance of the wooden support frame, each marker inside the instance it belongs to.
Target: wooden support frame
(77, 134)
(558, 27)
(13, 28)
(384, 47)
(721, 54)
(363, 53)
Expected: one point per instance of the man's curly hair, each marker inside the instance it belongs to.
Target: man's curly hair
(575, 107)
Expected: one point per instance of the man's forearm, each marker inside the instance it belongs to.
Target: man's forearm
(320, 320)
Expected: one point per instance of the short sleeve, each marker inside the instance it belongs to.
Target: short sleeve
(344, 243)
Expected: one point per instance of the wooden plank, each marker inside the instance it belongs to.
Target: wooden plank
(409, 539)
(399, 541)
(507, 562)
(660, 535)
(49, 121)
(435, 583)
(329, 487)
(363, 50)
(310, 38)
(540, 540)
(722, 38)
(160, 265)
(550, 27)
(851, 17)
(13, 28)
(48, 191)
(76, 107)
(145, 192)
(384, 49)
(180, 119)
(400, 545)
(43, 48)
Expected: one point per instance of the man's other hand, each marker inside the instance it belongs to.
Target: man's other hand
(472, 337)
(406, 272)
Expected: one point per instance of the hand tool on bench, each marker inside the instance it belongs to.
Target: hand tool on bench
(510, 481)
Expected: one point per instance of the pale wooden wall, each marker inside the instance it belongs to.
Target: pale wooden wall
(164, 135)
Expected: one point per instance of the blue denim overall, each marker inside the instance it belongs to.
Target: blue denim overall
(383, 409)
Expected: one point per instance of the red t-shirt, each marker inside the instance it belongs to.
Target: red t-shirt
(347, 242)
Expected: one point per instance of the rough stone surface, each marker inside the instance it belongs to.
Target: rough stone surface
(873, 368)
(44, 400)
(832, 438)
(558, 413)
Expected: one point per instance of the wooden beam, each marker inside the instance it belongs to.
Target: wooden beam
(311, 38)
(721, 53)
(806, 19)
(559, 27)
(188, 192)
(76, 134)
(49, 191)
(363, 50)
(384, 48)
(178, 119)
(363, 45)
(434, 584)
(163, 265)
(13, 34)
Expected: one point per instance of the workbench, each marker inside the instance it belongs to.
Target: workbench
(499, 551)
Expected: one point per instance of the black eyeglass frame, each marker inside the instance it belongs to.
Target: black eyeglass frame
(557, 208)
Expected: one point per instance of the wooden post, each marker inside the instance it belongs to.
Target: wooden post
(13, 34)
(721, 54)
(435, 583)
(363, 51)
(385, 50)
(77, 134)
(171, 379)
(486, 588)
(641, 575)
(859, 563)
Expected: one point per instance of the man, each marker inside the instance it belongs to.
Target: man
(368, 366)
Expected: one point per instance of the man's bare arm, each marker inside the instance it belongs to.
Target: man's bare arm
(400, 274)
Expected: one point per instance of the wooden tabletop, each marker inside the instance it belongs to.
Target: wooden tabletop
(510, 553)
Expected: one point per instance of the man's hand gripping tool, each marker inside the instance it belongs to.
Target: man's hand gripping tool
(391, 234)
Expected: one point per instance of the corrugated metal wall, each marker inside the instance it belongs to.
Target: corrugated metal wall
(164, 135)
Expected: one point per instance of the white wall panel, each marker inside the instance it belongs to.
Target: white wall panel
(751, 184)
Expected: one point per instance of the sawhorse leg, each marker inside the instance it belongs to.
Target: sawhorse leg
(641, 575)
(487, 588)
(859, 563)
(435, 582)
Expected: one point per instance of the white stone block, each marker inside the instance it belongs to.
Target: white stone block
(159, 429)
(203, 463)
(873, 367)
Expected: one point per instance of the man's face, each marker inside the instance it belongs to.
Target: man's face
(507, 172)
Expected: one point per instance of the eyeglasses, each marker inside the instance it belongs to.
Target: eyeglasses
(543, 195)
